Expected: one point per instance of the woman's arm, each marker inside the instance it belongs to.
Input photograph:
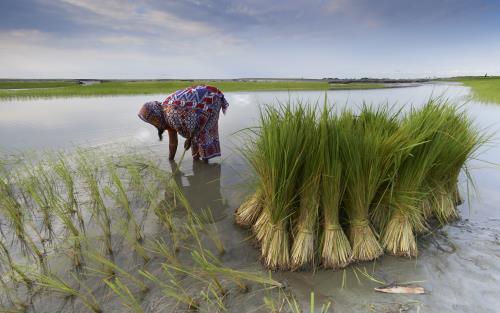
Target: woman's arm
(172, 143)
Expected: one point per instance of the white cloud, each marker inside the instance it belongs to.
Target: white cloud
(23, 35)
(135, 25)
(25, 55)
(122, 40)
(339, 38)
(335, 5)
(126, 15)
(34, 54)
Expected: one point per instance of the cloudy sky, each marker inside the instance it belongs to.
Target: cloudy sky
(248, 38)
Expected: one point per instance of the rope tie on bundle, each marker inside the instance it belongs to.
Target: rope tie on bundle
(360, 222)
(303, 230)
(334, 227)
(276, 227)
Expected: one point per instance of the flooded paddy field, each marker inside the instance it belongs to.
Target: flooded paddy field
(458, 265)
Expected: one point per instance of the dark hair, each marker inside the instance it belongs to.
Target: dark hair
(160, 133)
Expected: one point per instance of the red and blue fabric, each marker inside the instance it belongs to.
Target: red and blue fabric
(194, 112)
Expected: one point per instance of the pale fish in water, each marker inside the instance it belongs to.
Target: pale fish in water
(401, 288)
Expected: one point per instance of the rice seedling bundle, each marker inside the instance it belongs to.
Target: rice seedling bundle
(248, 212)
(277, 159)
(407, 189)
(253, 210)
(376, 172)
(462, 141)
(305, 228)
(367, 153)
(336, 250)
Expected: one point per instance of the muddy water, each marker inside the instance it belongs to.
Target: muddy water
(459, 266)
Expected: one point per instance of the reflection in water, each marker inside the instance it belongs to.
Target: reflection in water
(203, 188)
(51, 123)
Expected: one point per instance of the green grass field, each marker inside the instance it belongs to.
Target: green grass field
(71, 89)
(49, 89)
(35, 84)
(353, 86)
(484, 89)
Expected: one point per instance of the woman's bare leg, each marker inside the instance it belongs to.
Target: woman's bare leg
(195, 151)
(172, 144)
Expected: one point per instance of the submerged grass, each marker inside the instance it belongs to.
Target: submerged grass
(91, 198)
(88, 167)
(63, 170)
(57, 284)
(128, 297)
(173, 289)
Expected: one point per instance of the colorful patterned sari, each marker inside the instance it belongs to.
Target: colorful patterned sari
(193, 113)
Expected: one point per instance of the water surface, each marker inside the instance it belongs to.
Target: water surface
(459, 265)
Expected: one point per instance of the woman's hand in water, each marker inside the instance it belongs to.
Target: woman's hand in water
(174, 167)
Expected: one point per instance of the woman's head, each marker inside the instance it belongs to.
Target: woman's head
(152, 113)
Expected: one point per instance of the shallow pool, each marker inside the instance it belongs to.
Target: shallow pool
(459, 265)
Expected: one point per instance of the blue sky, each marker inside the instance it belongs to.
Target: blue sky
(248, 38)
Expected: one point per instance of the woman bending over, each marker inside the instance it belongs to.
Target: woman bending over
(194, 114)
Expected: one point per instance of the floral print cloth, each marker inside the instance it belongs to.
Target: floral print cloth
(193, 113)
(152, 113)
